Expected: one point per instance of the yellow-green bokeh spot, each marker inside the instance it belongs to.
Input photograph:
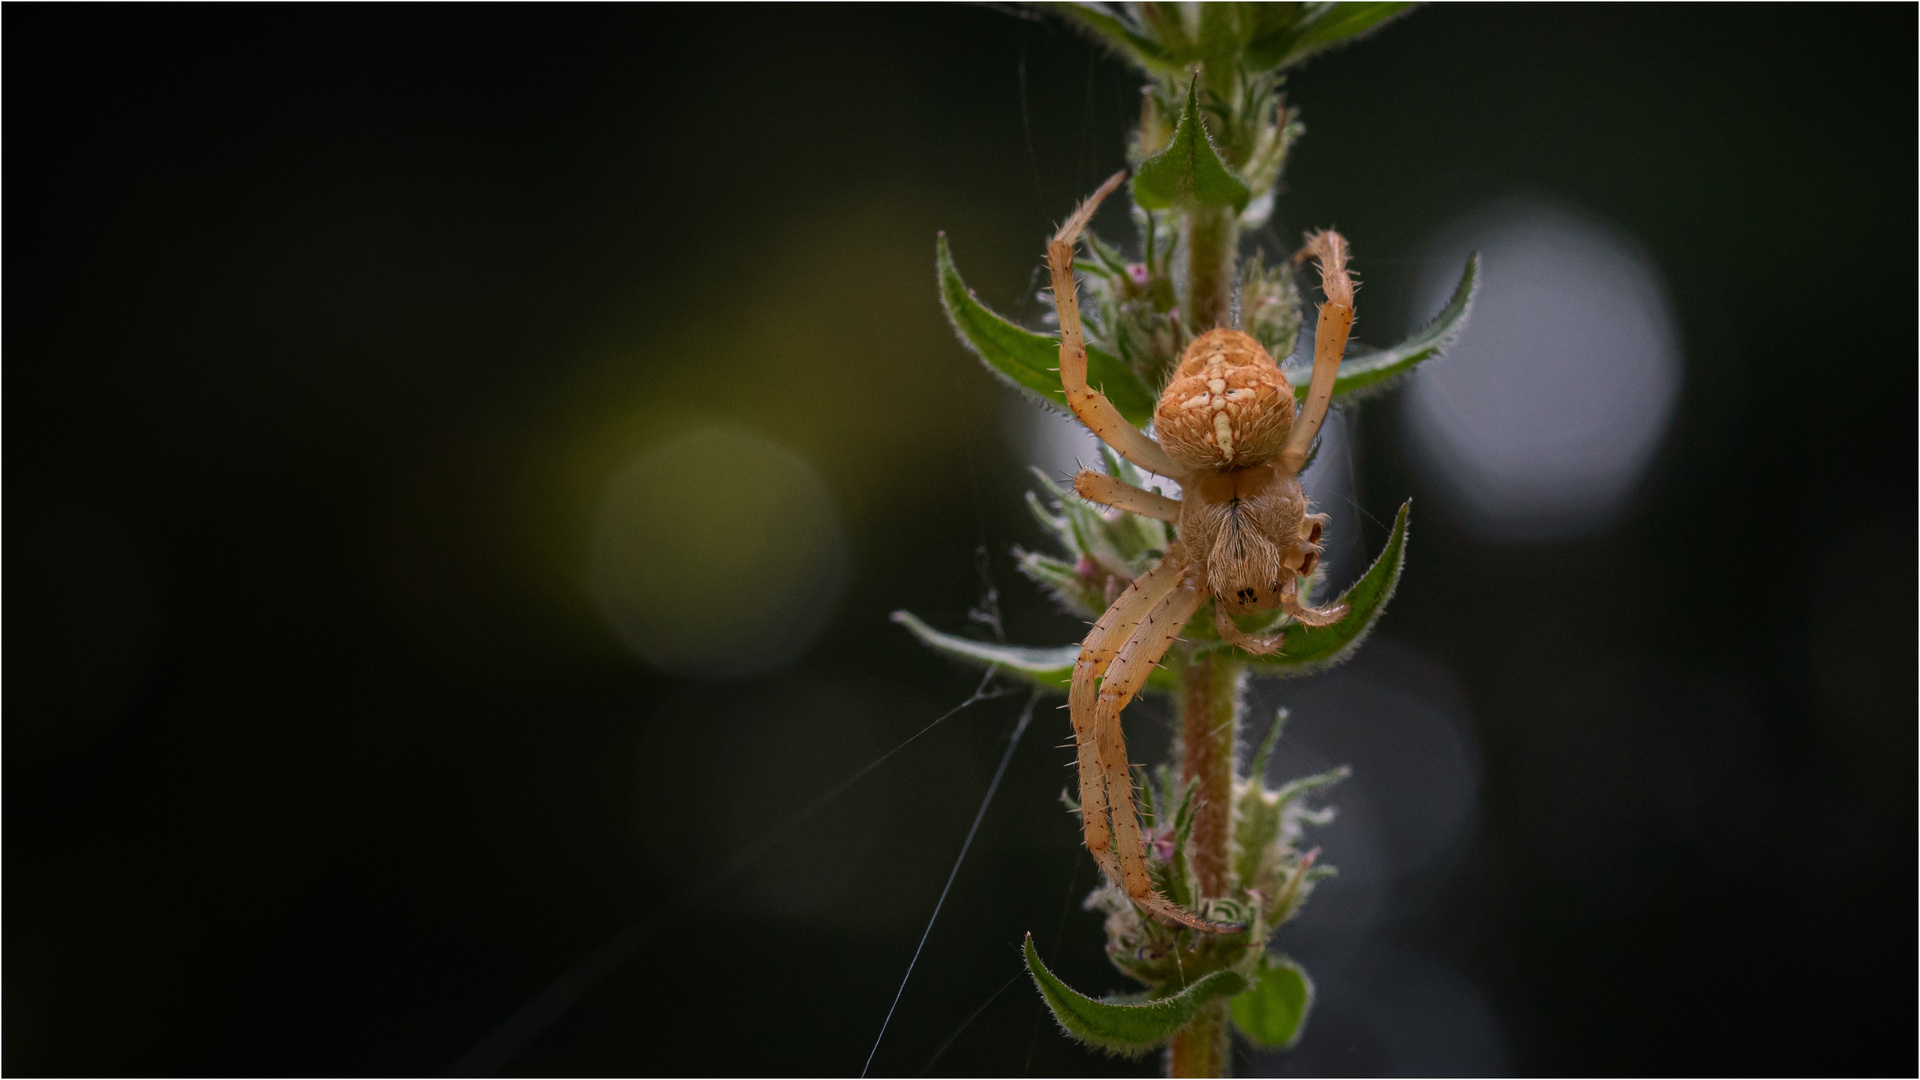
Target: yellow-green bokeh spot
(717, 552)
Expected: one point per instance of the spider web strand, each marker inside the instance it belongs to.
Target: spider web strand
(508, 1041)
(1013, 743)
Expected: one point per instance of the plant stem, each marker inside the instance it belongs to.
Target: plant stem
(1204, 1046)
(1209, 731)
(1212, 235)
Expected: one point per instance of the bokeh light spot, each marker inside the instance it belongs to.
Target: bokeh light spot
(1540, 421)
(717, 553)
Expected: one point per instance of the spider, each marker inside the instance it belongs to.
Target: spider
(1228, 435)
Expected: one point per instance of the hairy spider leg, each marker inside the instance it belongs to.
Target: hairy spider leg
(1329, 250)
(1089, 404)
(1128, 673)
(1117, 493)
(1113, 630)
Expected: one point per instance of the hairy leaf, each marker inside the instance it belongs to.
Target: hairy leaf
(1371, 372)
(1274, 1013)
(1189, 172)
(1115, 33)
(1319, 27)
(1311, 648)
(1030, 361)
(1049, 669)
(1293, 789)
(1063, 582)
(1130, 1027)
(1257, 765)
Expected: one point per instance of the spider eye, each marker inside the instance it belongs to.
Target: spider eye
(1247, 596)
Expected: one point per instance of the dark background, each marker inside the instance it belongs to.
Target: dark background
(325, 324)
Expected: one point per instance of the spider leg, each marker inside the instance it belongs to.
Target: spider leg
(1113, 629)
(1131, 666)
(1329, 250)
(1112, 491)
(1089, 404)
(1308, 616)
(1312, 616)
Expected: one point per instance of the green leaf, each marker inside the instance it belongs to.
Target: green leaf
(1145, 52)
(1312, 648)
(1224, 30)
(1257, 767)
(1274, 1012)
(1062, 581)
(1125, 540)
(1364, 375)
(1126, 1028)
(1030, 361)
(1049, 669)
(1189, 172)
(1321, 27)
(1293, 789)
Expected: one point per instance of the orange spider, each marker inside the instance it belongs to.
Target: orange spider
(1229, 436)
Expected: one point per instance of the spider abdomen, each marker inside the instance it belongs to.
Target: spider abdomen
(1227, 405)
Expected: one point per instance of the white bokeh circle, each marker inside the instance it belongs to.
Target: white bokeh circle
(1541, 419)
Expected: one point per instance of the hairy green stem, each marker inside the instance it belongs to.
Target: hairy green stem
(1209, 730)
(1210, 235)
(1205, 1046)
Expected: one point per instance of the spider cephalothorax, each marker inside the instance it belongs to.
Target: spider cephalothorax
(1228, 433)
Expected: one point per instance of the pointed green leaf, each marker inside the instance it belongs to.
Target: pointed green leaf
(1257, 767)
(1189, 172)
(1030, 361)
(1293, 789)
(1055, 524)
(1116, 34)
(1129, 1028)
(1061, 580)
(1049, 669)
(1274, 1013)
(1320, 27)
(1363, 375)
(1311, 648)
